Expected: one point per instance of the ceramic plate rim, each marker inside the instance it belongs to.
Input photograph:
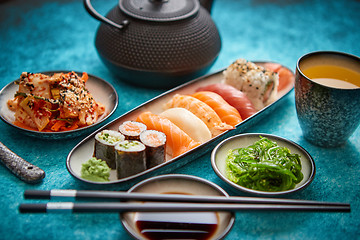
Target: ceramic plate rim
(92, 78)
(256, 192)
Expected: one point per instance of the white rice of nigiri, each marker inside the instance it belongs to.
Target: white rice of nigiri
(189, 123)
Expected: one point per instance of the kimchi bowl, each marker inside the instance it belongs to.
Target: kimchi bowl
(98, 91)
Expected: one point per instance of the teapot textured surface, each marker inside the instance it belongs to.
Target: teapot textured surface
(158, 53)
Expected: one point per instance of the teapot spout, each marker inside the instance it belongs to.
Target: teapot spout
(207, 4)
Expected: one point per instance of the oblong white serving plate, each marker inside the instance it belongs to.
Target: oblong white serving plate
(84, 150)
(101, 90)
(218, 160)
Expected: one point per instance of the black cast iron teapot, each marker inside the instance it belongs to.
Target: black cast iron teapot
(157, 43)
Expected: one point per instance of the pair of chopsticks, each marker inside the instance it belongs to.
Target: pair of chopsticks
(165, 203)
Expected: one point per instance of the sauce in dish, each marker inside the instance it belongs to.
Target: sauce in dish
(177, 225)
(187, 225)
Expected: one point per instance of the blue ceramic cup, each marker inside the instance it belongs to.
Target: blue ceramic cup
(327, 96)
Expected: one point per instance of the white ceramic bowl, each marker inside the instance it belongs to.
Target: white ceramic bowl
(184, 184)
(218, 160)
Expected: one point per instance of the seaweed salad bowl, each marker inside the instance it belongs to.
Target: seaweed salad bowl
(220, 163)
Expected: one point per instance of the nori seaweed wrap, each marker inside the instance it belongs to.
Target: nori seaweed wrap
(105, 142)
(155, 143)
(130, 158)
(132, 129)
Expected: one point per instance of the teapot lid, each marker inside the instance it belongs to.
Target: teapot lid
(159, 10)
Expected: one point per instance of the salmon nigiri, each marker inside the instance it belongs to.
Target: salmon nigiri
(177, 140)
(234, 97)
(225, 111)
(202, 111)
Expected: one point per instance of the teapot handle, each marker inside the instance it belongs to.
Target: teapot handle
(91, 10)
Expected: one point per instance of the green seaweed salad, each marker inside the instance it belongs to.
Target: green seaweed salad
(264, 166)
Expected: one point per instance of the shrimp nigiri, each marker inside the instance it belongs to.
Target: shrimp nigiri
(201, 110)
(225, 111)
(177, 140)
(233, 96)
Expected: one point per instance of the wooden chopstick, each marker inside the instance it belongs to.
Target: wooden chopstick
(118, 195)
(110, 207)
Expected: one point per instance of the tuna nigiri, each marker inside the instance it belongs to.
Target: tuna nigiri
(202, 111)
(226, 112)
(234, 97)
(177, 140)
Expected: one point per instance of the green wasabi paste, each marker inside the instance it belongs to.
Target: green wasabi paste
(264, 166)
(95, 170)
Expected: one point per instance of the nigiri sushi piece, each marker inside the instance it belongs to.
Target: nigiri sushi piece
(189, 123)
(225, 111)
(275, 67)
(201, 110)
(234, 97)
(258, 83)
(177, 141)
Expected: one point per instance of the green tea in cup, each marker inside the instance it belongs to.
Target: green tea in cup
(333, 76)
(332, 71)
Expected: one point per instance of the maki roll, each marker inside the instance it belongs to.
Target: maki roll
(131, 129)
(105, 142)
(130, 158)
(155, 143)
(259, 84)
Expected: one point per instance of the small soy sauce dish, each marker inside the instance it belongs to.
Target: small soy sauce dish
(179, 225)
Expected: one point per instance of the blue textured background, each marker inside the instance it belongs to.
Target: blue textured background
(41, 35)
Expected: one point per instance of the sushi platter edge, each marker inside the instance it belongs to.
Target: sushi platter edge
(83, 151)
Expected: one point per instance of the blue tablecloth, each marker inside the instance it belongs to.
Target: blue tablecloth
(41, 35)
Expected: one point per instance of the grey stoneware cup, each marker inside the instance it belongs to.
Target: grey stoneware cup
(328, 116)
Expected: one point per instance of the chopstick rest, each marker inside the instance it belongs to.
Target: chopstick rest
(24, 170)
